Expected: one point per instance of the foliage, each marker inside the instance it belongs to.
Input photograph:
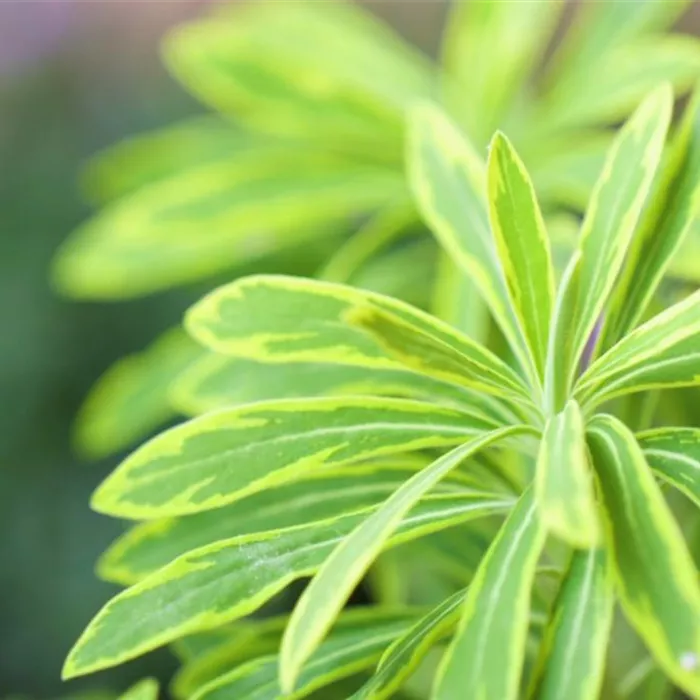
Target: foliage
(343, 428)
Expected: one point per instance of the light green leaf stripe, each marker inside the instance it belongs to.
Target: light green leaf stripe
(222, 586)
(285, 319)
(146, 689)
(616, 204)
(152, 239)
(664, 352)
(522, 244)
(674, 205)
(564, 480)
(217, 381)
(344, 653)
(572, 660)
(674, 454)
(449, 183)
(329, 590)
(486, 655)
(656, 578)
(317, 496)
(133, 397)
(400, 659)
(221, 457)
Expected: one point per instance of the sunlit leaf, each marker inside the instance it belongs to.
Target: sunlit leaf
(147, 689)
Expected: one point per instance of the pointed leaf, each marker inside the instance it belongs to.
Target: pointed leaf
(610, 221)
(323, 494)
(279, 319)
(486, 655)
(674, 205)
(573, 655)
(674, 454)
(523, 245)
(564, 480)
(664, 352)
(449, 182)
(147, 689)
(325, 596)
(224, 456)
(222, 586)
(656, 578)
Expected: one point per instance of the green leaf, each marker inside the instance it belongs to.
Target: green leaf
(523, 245)
(329, 590)
(449, 182)
(607, 229)
(146, 689)
(673, 207)
(487, 652)
(484, 89)
(263, 67)
(279, 319)
(218, 381)
(674, 454)
(349, 649)
(154, 239)
(563, 482)
(157, 155)
(664, 352)
(656, 578)
(572, 660)
(133, 397)
(323, 494)
(221, 457)
(222, 586)
(401, 658)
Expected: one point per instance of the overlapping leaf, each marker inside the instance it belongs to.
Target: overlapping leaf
(325, 596)
(572, 659)
(279, 319)
(656, 578)
(222, 585)
(487, 653)
(224, 456)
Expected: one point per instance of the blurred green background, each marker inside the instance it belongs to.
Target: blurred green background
(75, 77)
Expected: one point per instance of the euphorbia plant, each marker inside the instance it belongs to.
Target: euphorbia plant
(241, 501)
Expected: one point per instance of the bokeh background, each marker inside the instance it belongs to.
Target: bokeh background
(75, 76)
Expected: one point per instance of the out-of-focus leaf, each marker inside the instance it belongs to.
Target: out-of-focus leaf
(481, 88)
(656, 578)
(151, 545)
(674, 205)
(449, 183)
(674, 454)
(486, 655)
(224, 456)
(522, 244)
(616, 204)
(572, 659)
(157, 155)
(664, 352)
(564, 484)
(215, 218)
(329, 590)
(147, 689)
(348, 650)
(222, 586)
(285, 319)
(133, 397)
